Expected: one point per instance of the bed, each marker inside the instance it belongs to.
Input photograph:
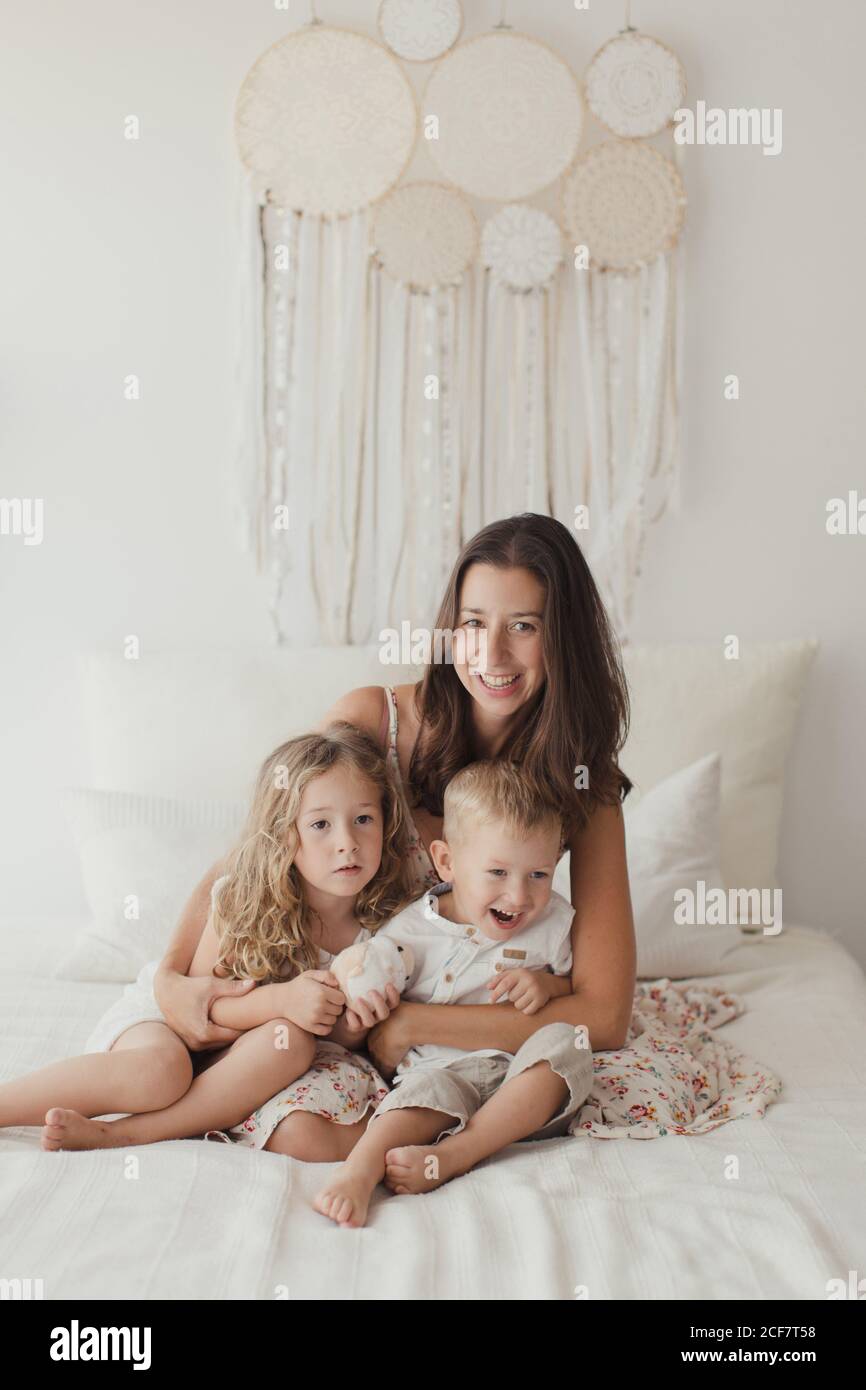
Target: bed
(758, 1208)
(569, 1217)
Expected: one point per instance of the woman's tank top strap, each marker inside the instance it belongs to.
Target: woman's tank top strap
(389, 716)
(386, 710)
(423, 872)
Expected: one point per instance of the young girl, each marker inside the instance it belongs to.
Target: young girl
(321, 864)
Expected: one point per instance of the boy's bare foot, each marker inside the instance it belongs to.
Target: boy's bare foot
(416, 1168)
(346, 1197)
(66, 1129)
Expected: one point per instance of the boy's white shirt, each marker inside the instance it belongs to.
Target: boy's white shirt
(454, 962)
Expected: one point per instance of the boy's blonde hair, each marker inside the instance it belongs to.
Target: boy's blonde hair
(495, 790)
(261, 916)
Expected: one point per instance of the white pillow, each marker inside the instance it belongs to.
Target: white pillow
(139, 855)
(672, 841)
(198, 724)
(688, 700)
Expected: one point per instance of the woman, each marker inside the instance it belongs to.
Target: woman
(552, 696)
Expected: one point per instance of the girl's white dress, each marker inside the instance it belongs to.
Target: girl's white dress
(341, 1085)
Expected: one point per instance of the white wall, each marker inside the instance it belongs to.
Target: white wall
(117, 258)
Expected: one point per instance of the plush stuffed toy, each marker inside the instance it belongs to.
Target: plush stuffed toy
(372, 965)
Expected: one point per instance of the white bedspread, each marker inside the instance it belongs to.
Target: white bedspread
(625, 1219)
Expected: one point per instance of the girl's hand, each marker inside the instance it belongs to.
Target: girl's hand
(185, 1001)
(313, 1000)
(527, 990)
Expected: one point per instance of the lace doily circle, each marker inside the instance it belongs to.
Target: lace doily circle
(634, 85)
(625, 201)
(510, 116)
(522, 246)
(420, 30)
(326, 120)
(425, 234)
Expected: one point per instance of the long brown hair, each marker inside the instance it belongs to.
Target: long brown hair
(261, 916)
(581, 714)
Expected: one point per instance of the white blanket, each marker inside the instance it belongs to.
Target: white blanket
(662, 1219)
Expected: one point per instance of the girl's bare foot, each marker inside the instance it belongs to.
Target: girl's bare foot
(66, 1129)
(416, 1168)
(346, 1196)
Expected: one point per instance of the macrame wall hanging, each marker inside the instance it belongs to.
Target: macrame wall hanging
(326, 122)
(420, 356)
(420, 30)
(625, 201)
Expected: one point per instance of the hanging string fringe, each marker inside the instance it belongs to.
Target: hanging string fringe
(385, 483)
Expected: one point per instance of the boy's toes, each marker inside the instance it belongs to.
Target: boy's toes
(399, 1161)
(333, 1204)
(345, 1208)
(322, 1202)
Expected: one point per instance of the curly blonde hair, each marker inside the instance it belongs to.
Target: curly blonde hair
(260, 916)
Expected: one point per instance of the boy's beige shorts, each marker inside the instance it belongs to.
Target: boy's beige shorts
(461, 1087)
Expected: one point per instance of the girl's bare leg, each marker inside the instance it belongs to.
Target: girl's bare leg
(315, 1138)
(518, 1108)
(249, 1072)
(148, 1067)
(346, 1196)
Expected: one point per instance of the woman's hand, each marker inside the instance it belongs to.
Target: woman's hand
(388, 1042)
(185, 1001)
(313, 1000)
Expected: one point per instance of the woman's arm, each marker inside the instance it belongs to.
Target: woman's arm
(604, 952)
(187, 935)
(259, 1006)
(603, 967)
(186, 1000)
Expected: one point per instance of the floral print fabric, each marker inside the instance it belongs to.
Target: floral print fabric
(674, 1076)
(340, 1085)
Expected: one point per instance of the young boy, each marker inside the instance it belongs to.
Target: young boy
(493, 930)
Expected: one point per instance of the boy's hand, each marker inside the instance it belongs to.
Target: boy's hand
(313, 1000)
(528, 990)
(362, 1014)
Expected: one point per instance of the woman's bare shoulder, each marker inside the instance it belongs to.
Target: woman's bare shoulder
(364, 707)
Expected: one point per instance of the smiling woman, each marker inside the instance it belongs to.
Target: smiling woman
(550, 695)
